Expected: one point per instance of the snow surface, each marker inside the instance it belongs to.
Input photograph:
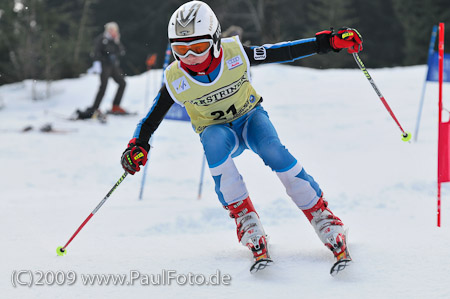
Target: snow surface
(331, 120)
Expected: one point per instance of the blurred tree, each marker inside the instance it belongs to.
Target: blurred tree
(323, 15)
(19, 32)
(417, 18)
(247, 14)
(8, 41)
(381, 31)
(39, 39)
(52, 39)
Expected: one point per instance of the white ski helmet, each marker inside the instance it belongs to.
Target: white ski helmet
(195, 19)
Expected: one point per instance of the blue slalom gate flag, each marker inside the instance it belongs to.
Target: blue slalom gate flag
(177, 112)
(433, 67)
(432, 73)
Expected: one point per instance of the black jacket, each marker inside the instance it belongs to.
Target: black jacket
(108, 51)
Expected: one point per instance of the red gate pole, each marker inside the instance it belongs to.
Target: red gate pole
(441, 77)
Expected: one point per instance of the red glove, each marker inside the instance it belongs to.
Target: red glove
(347, 38)
(133, 156)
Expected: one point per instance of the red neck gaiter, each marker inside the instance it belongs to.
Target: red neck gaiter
(206, 66)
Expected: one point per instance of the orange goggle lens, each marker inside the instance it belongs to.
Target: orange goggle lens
(196, 48)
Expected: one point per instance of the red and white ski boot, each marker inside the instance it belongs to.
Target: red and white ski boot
(331, 232)
(250, 232)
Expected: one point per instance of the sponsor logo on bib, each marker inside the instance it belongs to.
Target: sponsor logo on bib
(180, 85)
(234, 62)
(221, 93)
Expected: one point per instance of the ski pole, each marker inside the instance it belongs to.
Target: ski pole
(61, 250)
(406, 135)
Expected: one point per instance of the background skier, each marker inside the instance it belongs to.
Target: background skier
(107, 52)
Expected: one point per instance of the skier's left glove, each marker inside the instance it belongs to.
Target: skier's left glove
(134, 156)
(96, 68)
(347, 38)
(344, 38)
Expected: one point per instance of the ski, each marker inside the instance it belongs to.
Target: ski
(121, 113)
(97, 115)
(101, 119)
(260, 265)
(47, 128)
(343, 260)
(340, 265)
(78, 115)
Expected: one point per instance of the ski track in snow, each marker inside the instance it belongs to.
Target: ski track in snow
(331, 121)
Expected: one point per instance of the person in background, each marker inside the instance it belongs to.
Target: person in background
(107, 53)
(210, 77)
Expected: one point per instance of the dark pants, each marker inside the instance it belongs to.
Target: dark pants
(116, 73)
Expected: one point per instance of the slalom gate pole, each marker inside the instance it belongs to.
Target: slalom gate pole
(441, 79)
(147, 89)
(166, 63)
(61, 250)
(406, 135)
(144, 172)
(149, 62)
(202, 172)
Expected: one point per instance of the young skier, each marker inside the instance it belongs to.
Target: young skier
(210, 77)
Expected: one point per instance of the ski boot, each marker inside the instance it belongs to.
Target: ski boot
(331, 232)
(84, 114)
(250, 232)
(89, 113)
(117, 110)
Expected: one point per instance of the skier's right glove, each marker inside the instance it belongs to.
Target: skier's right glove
(133, 156)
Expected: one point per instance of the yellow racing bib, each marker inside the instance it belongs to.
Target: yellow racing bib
(224, 100)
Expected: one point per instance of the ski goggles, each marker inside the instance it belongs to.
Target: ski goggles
(196, 47)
